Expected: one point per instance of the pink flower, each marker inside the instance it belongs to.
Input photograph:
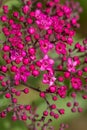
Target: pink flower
(62, 91)
(42, 20)
(57, 24)
(76, 83)
(61, 48)
(71, 65)
(46, 63)
(22, 74)
(49, 78)
(17, 54)
(15, 41)
(45, 46)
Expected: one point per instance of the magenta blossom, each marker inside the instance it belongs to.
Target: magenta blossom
(71, 65)
(46, 63)
(17, 54)
(49, 78)
(62, 91)
(76, 83)
(45, 46)
(42, 20)
(22, 74)
(57, 24)
(61, 48)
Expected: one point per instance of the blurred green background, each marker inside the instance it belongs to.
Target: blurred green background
(76, 121)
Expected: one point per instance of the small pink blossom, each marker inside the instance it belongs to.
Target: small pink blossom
(17, 54)
(71, 65)
(45, 46)
(61, 48)
(57, 24)
(42, 20)
(62, 91)
(46, 63)
(49, 78)
(76, 83)
(22, 74)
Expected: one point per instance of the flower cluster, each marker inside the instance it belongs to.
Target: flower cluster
(39, 41)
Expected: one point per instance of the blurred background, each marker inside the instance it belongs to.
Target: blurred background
(76, 121)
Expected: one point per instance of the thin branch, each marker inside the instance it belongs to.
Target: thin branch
(36, 89)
